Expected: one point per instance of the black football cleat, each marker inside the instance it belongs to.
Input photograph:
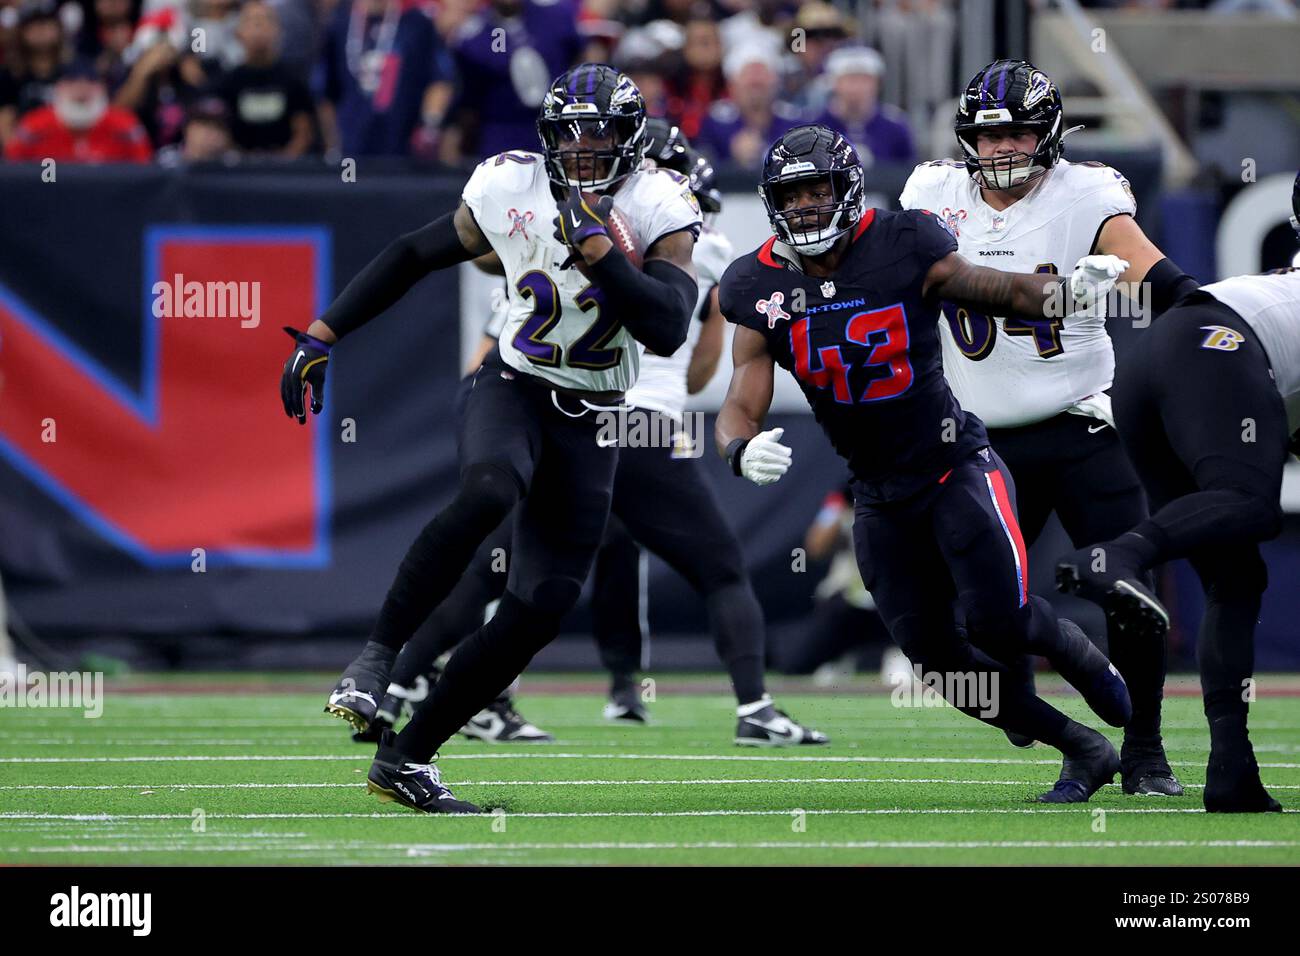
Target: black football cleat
(392, 707)
(1144, 769)
(1090, 763)
(500, 723)
(356, 696)
(1119, 590)
(1021, 672)
(1232, 783)
(765, 726)
(624, 707)
(395, 779)
(1089, 672)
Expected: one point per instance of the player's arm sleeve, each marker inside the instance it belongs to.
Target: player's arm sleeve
(654, 303)
(392, 273)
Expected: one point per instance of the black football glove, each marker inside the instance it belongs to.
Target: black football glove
(306, 366)
(578, 222)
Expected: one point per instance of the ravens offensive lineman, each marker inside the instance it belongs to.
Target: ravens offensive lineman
(529, 431)
(662, 500)
(1208, 404)
(846, 299)
(1040, 386)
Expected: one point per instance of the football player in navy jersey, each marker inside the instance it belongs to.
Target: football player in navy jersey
(847, 300)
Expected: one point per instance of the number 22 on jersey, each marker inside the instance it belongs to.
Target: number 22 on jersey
(589, 350)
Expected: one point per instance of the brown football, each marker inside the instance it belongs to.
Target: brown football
(620, 233)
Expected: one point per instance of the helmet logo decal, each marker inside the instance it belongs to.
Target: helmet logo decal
(771, 308)
(794, 169)
(1039, 87)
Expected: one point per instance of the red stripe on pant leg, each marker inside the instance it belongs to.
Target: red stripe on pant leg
(1013, 524)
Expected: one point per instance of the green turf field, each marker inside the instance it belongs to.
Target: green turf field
(256, 774)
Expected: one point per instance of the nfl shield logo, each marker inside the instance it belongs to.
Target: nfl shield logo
(828, 289)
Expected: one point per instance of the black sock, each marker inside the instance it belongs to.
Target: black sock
(1225, 651)
(621, 682)
(737, 622)
(480, 669)
(1143, 665)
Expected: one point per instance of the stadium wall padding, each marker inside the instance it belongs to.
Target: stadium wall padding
(169, 436)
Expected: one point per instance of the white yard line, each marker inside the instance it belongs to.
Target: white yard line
(427, 849)
(636, 814)
(542, 755)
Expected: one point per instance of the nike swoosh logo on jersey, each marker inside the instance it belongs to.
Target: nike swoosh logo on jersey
(1092, 430)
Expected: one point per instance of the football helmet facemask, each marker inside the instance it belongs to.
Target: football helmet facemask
(1010, 93)
(810, 153)
(599, 102)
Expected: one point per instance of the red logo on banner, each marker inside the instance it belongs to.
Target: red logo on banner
(201, 455)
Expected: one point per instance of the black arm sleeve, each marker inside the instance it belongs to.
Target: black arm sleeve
(390, 274)
(655, 305)
(1168, 284)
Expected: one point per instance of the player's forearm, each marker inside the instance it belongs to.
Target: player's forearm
(734, 423)
(390, 275)
(653, 304)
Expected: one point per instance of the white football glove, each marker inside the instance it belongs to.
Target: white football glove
(1093, 278)
(765, 459)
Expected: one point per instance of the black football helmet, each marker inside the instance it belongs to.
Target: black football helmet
(1010, 93)
(668, 146)
(813, 152)
(598, 100)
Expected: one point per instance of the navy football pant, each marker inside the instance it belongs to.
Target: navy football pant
(958, 539)
(1207, 431)
(545, 443)
(1077, 467)
(667, 505)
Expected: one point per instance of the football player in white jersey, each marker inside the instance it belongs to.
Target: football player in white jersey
(1039, 384)
(529, 433)
(1208, 406)
(663, 501)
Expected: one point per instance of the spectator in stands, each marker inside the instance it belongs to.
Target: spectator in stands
(218, 20)
(700, 83)
(299, 34)
(741, 128)
(165, 81)
(506, 57)
(877, 130)
(765, 24)
(40, 56)
(80, 126)
(383, 75)
(818, 29)
(113, 29)
(207, 136)
(270, 108)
